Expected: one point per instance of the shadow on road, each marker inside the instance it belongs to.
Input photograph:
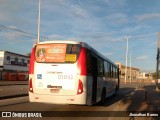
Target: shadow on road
(116, 97)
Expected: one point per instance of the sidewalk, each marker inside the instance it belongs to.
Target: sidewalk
(144, 100)
(7, 82)
(153, 98)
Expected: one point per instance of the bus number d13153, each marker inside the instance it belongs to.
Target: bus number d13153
(65, 77)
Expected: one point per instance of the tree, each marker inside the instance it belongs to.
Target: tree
(154, 75)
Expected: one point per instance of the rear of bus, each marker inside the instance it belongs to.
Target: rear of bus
(58, 73)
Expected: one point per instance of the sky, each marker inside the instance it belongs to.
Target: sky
(103, 24)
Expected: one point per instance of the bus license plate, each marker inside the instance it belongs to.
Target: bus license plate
(54, 90)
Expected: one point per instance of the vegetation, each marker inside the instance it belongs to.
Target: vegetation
(155, 74)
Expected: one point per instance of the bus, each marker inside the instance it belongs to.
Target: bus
(70, 72)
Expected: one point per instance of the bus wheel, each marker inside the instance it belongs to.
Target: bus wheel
(103, 97)
(116, 90)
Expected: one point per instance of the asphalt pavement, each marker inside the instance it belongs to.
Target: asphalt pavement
(13, 89)
(143, 97)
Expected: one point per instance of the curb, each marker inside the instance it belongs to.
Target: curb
(13, 96)
(12, 84)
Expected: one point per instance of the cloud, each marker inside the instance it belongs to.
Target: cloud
(154, 43)
(117, 18)
(19, 13)
(148, 17)
(108, 54)
(119, 3)
(78, 11)
(101, 23)
(100, 39)
(145, 57)
(144, 37)
(55, 37)
(120, 39)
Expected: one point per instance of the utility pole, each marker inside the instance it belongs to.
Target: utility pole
(158, 60)
(130, 69)
(127, 37)
(38, 21)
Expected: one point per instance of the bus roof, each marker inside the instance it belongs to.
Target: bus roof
(62, 41)
(81, 43)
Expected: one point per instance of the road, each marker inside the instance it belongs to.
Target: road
(13, 91)
(127, 99)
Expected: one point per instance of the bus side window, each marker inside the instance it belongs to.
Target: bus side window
(113, 71)
(89, 63)
(109, 70)
(100, 67)
(106, 65)
(116, 73)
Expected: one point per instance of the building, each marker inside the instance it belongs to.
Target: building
(143, 75)
(13, 63)
(132, 72)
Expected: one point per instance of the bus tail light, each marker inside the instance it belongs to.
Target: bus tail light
(80, 87)
(30, 85)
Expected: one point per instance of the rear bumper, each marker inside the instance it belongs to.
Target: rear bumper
(74, 99)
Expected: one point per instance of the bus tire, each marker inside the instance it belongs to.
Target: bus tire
(116, 90)
(103, 97)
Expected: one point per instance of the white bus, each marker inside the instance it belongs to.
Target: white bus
(69, 72)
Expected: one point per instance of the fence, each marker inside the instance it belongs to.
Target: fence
(14, 76)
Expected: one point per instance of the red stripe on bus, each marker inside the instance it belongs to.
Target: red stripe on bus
(82, 62)
(32, 61)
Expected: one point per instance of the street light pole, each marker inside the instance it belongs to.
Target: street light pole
(38, 21)
(157, 67)
(130, 69)
(127, 37)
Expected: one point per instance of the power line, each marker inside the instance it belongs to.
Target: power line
(134, 37)
(20, 31)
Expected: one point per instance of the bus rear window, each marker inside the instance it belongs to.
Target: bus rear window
(57, 53)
